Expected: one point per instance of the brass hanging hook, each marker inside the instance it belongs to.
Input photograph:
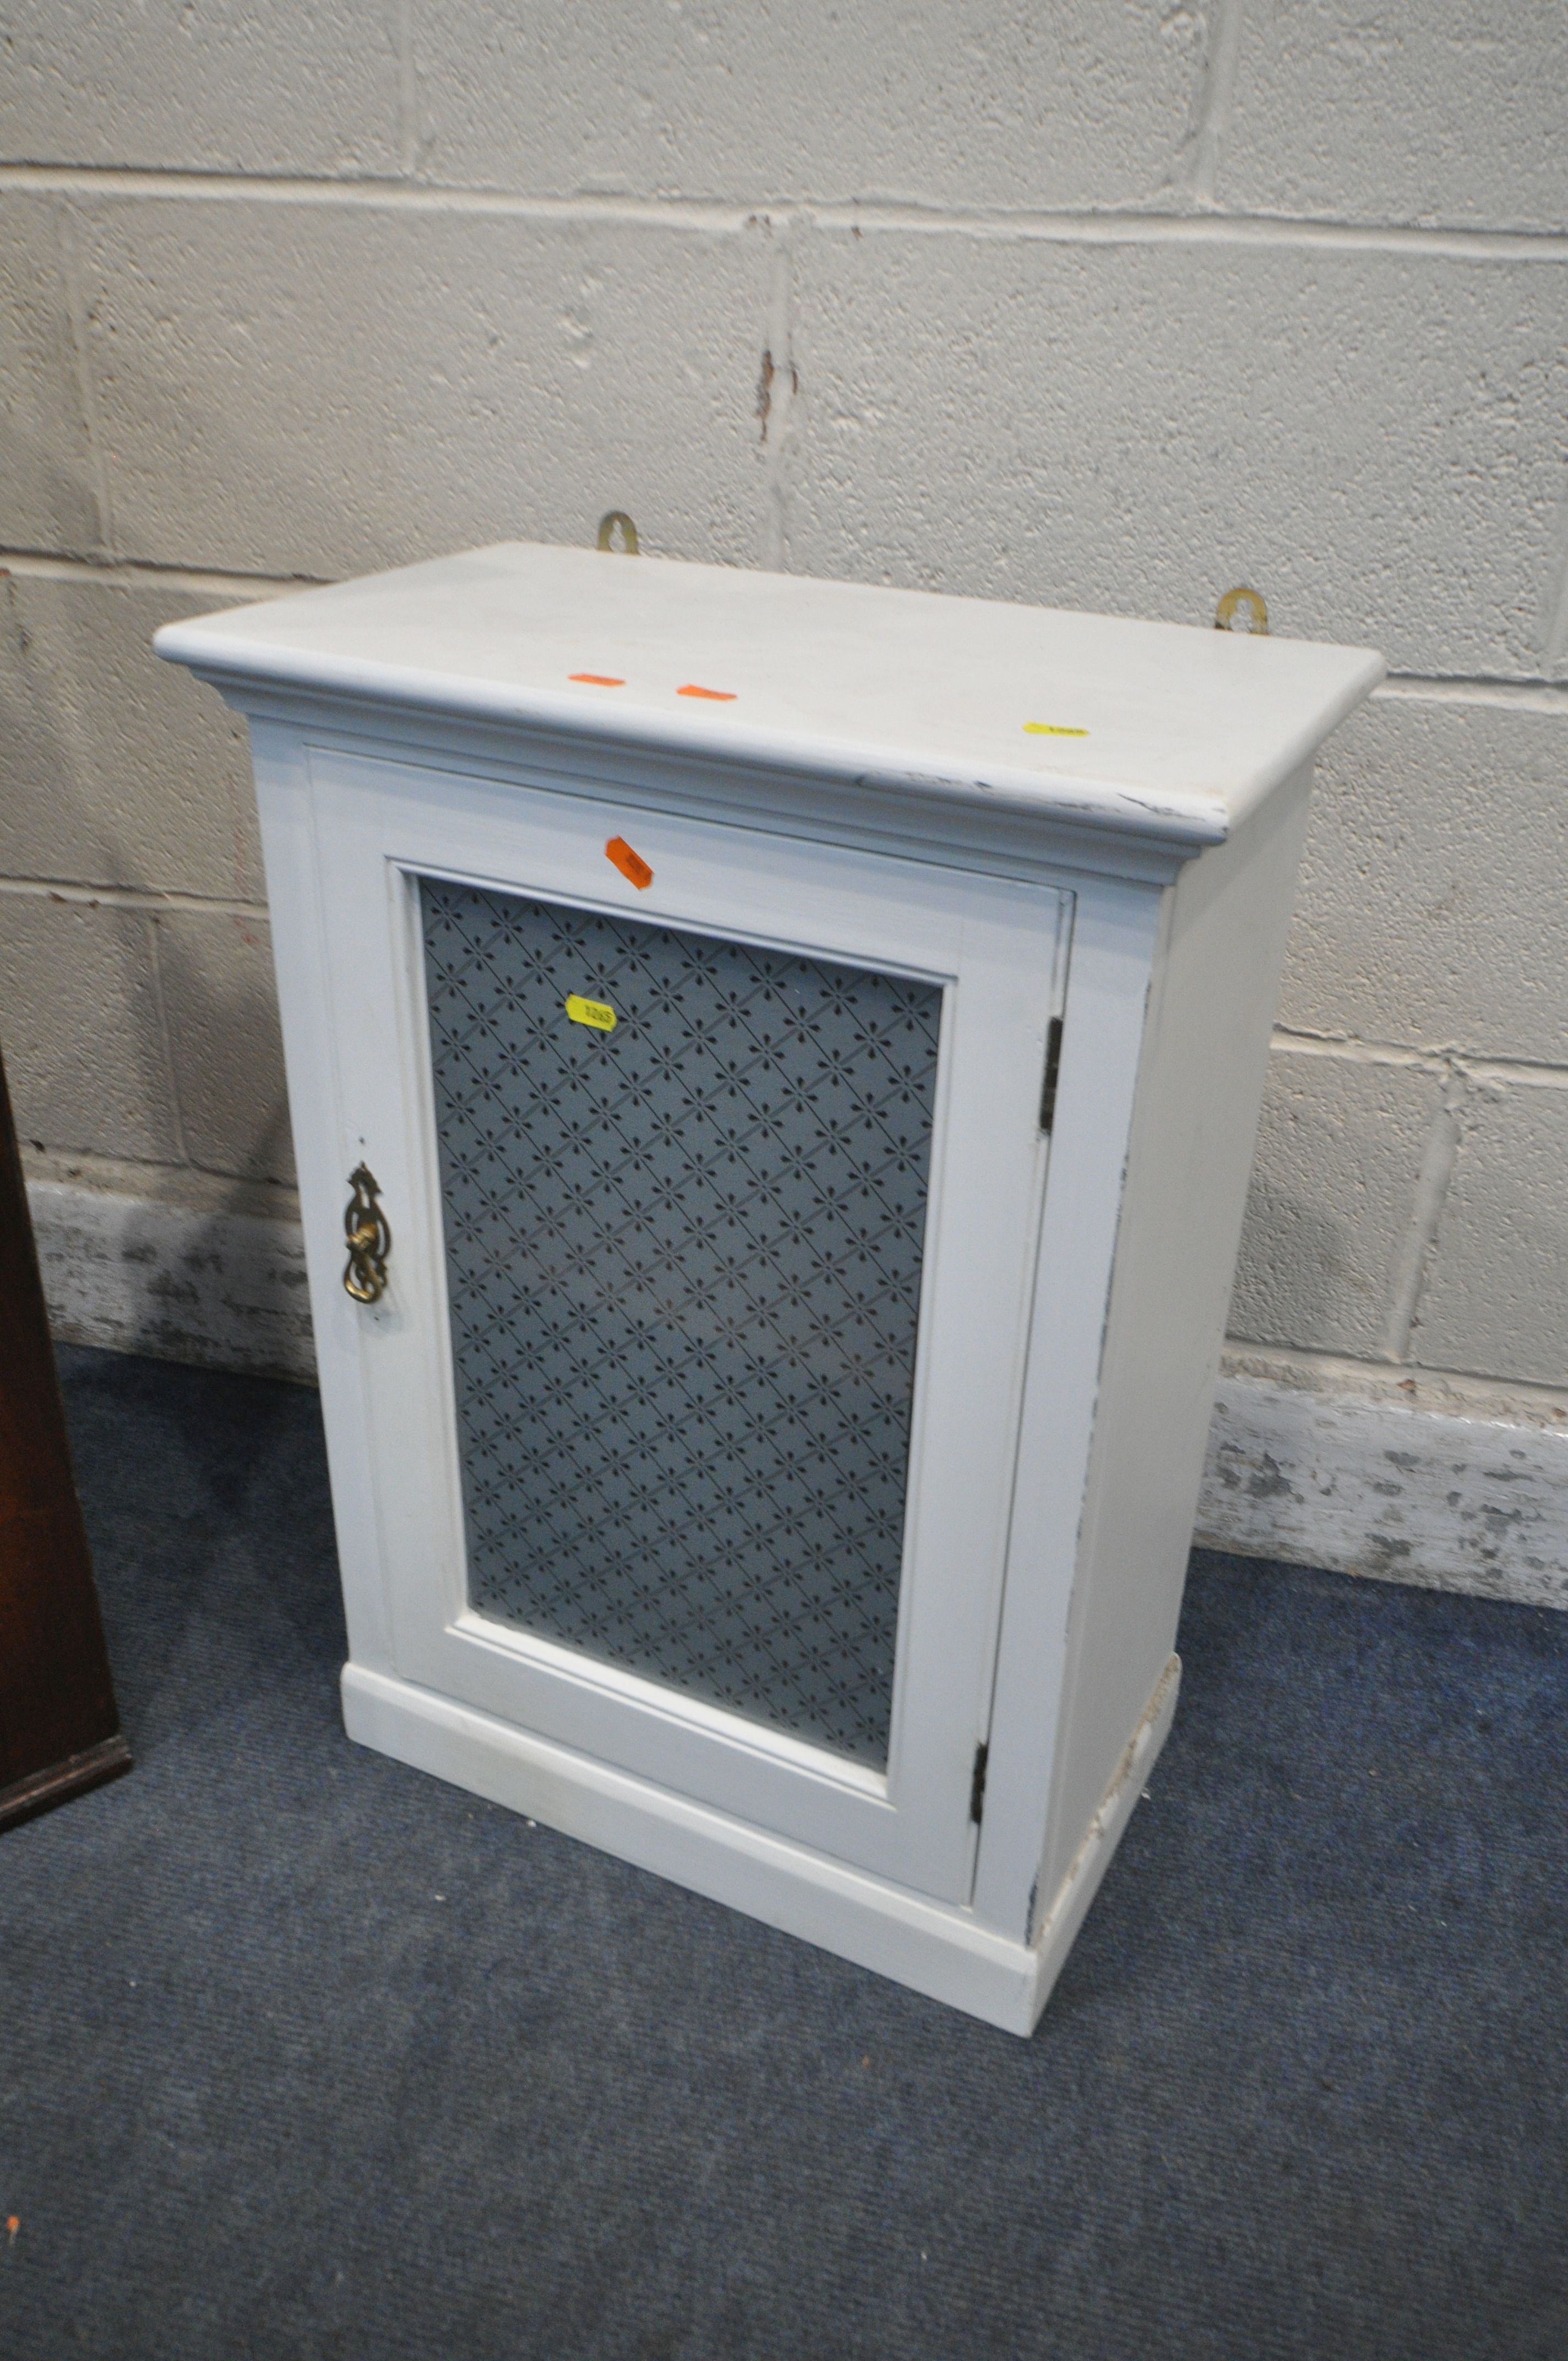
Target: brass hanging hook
(1230, 606)
(608, 523)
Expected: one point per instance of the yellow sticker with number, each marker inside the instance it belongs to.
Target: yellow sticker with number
(596, 1013)
(1052, 729)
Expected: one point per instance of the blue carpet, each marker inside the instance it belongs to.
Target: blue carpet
(306, 2055)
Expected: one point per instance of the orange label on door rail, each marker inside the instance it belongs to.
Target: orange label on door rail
(719, 696)
(597, 680)
(631, 864)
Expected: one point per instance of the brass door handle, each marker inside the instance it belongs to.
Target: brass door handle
(369, 1235)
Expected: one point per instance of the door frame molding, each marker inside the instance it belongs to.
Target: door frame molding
(999, 944)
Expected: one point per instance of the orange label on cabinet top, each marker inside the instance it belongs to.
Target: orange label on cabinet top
(631, 864)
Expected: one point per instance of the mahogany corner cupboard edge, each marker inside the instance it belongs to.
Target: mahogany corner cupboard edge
(775, 1067)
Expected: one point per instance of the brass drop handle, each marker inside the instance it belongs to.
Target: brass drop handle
(369, 1235)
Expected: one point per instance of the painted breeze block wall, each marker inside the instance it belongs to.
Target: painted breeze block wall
(1104, 306)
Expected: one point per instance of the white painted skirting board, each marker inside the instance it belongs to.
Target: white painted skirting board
(203, 1277)
(1446, 1483)
(1450, 1483)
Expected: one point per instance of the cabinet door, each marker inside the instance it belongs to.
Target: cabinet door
(692, 1399)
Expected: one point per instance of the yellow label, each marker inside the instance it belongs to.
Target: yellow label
(1052, 729)
(591, 1012)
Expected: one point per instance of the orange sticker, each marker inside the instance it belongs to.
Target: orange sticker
(631, 864)
(719, 696)
(597, 680)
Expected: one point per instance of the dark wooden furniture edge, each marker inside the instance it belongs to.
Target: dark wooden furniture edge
(62, 1781)
(60, 1728)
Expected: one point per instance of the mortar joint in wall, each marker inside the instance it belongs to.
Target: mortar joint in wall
(151, 899)
(1451, 1118)
(408, 92)
(1134, 222)
(81, 370)
(166, 1033)
(778, 389)
(1193, 176)
(1442, 1059)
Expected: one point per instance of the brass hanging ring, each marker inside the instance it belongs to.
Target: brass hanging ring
(1230, 606)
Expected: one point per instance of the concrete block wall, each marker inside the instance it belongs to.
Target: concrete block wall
(1110, 305)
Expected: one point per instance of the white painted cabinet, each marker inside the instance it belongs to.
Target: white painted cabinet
(773, 1068)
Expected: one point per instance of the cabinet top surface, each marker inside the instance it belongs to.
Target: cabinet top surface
(1154, 728)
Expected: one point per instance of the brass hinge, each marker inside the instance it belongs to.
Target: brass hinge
(977, 1783)
(1053, 1062)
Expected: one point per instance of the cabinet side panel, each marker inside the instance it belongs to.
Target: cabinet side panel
(1118, 928)
(1201, 1086)
(295, 888)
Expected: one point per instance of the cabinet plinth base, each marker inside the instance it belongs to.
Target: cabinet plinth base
(941, 1951)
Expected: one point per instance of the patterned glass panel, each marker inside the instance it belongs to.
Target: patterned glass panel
(684, 1263)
